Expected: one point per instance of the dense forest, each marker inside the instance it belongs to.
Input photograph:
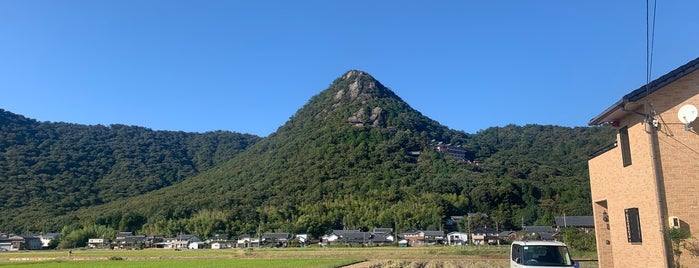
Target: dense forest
(354, 157)
(48, 169)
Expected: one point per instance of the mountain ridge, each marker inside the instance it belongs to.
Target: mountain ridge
(51, 168)
(357, 156)
(329, 160)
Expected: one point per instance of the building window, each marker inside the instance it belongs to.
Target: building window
(633, 225)
(625, 147)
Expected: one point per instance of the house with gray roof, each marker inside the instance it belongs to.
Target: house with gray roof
(277, 239)
(586, 223)
(12, 242)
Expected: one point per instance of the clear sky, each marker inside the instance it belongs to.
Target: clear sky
(247, 66)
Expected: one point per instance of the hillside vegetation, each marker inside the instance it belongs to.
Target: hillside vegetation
(356, 156)
(346, 161)
(49, 169)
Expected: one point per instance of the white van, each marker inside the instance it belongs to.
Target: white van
(529, 254)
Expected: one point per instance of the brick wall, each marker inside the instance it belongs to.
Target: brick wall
(616, 188)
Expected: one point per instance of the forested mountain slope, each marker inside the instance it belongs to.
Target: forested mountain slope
(48, 169)
(356, 156)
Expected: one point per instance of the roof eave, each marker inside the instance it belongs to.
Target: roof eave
(604, 117)
(644, 91)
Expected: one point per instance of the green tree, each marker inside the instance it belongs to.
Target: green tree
(677, 238)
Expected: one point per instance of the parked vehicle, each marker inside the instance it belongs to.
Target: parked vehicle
(552, 254)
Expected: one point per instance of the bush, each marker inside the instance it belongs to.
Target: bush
(579, 239)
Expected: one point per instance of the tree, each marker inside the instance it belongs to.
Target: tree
(579, 239)
(677, 237)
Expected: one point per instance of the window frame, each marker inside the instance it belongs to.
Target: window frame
(633, 225)
(625, 146)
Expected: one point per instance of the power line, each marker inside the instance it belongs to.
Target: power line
(650, 42)
(650, 39)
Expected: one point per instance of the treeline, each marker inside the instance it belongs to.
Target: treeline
(48, 169)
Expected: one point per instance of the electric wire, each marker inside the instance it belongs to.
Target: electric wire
(652, 125)
(650, 38)
(650, 43)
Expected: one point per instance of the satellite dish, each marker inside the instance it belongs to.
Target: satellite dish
(687, 114)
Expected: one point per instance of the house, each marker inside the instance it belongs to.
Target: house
(277, 239)
(153, 241)
(120, 239)
(382, 231)
(19, 242)
(196, 245)
(336, 235)
(453, 151)
(219, 238)
(122, 235)
(220, 241)
(219, 245)
(507, 236)
(379, 239)
(585, 223)
(32, 243)
(457, 239)
(422, 238)
(302, 239)
(484, 236)
(247, 241)
(361, 238)
(645, 182)
(382, 236)
(546, 233)
(179, 242)
(5, 244)
(131, 242)
(98, 243)
(47, 238)
(347, 237)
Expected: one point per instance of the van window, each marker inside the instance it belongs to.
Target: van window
(516, 253)
(546, 256)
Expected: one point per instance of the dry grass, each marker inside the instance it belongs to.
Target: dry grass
(377, 257)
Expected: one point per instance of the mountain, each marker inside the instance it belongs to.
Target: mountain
(356, 156)
(49, 169)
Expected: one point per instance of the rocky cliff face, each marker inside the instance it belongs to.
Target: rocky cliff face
(361, 92)
(361, 118)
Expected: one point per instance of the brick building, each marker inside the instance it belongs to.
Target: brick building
(648, 180)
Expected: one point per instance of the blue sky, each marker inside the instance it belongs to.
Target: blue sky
(247, 66)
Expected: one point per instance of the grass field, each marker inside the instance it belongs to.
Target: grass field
(329, 263)
(378, 257)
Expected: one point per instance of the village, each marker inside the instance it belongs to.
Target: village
(450, 236)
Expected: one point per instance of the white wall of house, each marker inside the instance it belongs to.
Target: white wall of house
(457, 238)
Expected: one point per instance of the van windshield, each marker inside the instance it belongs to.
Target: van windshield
(546, 256)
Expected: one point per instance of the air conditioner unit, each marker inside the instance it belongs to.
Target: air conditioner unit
(674, 222)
